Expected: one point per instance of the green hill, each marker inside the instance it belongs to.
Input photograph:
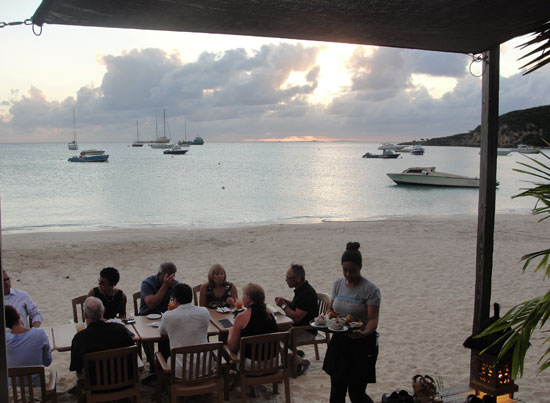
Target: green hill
(527, 126)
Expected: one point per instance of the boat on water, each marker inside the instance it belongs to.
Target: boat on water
(176, 149)
(197, 141)
(137, 143)
(162, 142)
(83, 157)
(73, 145)
(92, 152)
(386, 154)
(417, 150)
(525, 149)
(389, 146)
(428, 176)
(160, 146)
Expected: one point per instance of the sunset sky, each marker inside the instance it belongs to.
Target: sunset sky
(237, 88)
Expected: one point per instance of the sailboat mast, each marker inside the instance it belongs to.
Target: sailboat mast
(74, 126)
(164, 126)
(137, 131)
(156, 128)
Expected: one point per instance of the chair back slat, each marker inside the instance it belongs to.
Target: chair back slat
(199, 363)
(78, 301)
(268, 353)
(196, 294)
(21, 379)
(136, 297)
(112, 369)
(323, 301)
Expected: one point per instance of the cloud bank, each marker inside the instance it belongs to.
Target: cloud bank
(236, 95)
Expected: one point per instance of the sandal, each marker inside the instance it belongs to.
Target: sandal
(425, 390)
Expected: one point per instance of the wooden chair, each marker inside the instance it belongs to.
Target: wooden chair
(196, 294)
(111, 375)
(323, 301)
(22, 387)
(136, 297)
(268, 362)
(200, 372)
(78, 301)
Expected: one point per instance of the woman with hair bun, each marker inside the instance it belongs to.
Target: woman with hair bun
(351, 357)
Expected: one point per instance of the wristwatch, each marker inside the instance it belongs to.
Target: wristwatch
(283, 307)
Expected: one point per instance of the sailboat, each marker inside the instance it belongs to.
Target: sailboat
(137, 143)
(163, 142)
(184, 143)
(73, 145)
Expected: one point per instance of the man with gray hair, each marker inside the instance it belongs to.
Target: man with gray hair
(156, 290)
(98, 335)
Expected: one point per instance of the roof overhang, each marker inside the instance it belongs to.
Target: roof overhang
(463, 26)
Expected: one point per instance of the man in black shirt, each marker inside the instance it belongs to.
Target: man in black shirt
(98, 335)
(303, 308)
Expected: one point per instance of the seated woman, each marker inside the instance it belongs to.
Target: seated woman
(114, 300)
(217, 291)
(25, 346)
(254, 321)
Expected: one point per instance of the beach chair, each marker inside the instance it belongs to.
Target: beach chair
(201, 371)
(22, 389)
(111, 375)
(268, 362)
(76, 302)
(136, 297)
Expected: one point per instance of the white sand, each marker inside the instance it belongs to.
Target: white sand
(424, 267)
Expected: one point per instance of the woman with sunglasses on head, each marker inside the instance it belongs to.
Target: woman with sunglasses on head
(113, 299)
(351, 357)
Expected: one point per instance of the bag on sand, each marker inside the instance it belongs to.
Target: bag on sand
(425, 390)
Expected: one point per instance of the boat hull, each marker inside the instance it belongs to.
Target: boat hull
(427, 180)
(175, 152)
(382, 156)
(91, 158)
(72, 146)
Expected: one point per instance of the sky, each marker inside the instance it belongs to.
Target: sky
(231, 88)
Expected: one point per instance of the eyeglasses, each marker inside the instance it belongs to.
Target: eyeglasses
(290, 278)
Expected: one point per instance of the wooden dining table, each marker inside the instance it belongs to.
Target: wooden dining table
(224, 321)
(62, 335)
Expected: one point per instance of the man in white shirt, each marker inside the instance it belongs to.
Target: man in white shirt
(22, 302)
(186, 324)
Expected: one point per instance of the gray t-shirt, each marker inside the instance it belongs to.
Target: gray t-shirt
(354, 300)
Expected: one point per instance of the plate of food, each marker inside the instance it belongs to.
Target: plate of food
(319, 322)
(338, 329)
(154, 324)
(355, 325)
(223, 309)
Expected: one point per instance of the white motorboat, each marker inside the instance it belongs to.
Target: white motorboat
(417, 150)
(92, 151)
(524, 149)
(161, 145)
(427, 176)
(390, 146)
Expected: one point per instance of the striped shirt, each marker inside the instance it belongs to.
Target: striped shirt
(21, 301)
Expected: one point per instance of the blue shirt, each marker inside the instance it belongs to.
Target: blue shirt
(150, 286)
(29, 348)
(23, 304)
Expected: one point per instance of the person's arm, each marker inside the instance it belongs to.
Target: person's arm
(296, 315)
(91, 293)
(372, 323)
(203, 293)
(235, 332)
(234, 296)
(33, 312)
(162, 327)
(122, 309)
(154, 300)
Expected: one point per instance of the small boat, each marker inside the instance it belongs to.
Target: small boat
(89, 158)
(137, 143)
(389, 146)
(162, 142)
(160, 146)
(386, 154)
(417, 150)
(176, 149)
(427, 176)
(73, 145)
(197, 141)
(525, 149)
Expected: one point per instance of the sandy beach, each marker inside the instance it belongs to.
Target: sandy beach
(424, 267)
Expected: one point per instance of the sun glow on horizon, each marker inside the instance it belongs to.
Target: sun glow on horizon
(294, 138)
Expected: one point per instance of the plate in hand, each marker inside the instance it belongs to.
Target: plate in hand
(318, 326)
(343, 329)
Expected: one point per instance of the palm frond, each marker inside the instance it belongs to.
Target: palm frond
(542, 40)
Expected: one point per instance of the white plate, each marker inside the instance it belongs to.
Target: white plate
(312, 323)
(223, 309)
(344, 329)
(154, 316)
(154, 324)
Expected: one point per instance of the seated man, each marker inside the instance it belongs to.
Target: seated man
(98, 335)
(21, 301)
(303, 308)
(25, 347)
(186, 324)
(156, 290)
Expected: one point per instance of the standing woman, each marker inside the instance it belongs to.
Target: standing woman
(114, 300)
(351, 358)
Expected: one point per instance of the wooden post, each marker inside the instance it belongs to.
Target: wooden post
(4, 395)
(487, 188)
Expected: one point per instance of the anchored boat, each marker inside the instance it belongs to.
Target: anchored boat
(428, 176)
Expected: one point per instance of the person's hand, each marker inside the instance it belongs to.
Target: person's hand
(169, 280)
(230, 301)
(279, 301)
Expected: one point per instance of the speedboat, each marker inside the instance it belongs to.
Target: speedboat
(386, 154)
(427, 176)
(524, 149)
(389, 146)
(89, 158)
(417, 150)
(176, 150)
(160, 145)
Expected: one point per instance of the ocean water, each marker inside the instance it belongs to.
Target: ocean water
(231, 184)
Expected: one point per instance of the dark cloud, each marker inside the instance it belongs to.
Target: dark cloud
(238, 94)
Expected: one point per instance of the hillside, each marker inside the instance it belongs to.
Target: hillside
(527, 126)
